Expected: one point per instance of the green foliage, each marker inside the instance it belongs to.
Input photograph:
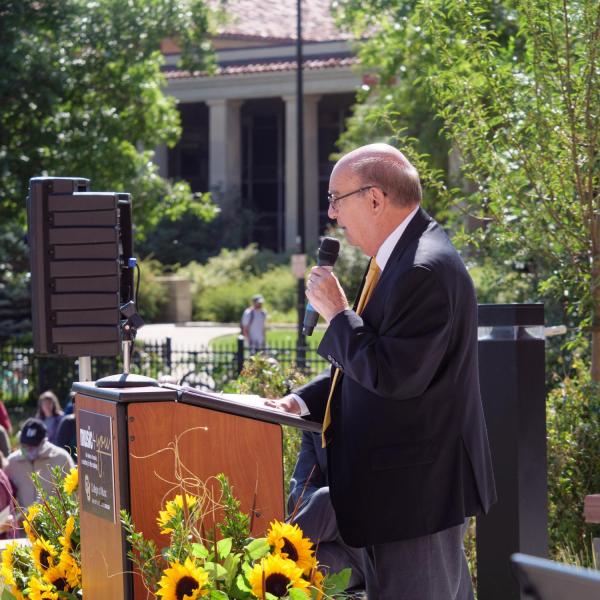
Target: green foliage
(525, 117)
(15, 314)
(152, 297)
(81, 95)
(501, 283)
(264, 376)
(222, 288)
(573, 421)
(228, 568)
(236, 524)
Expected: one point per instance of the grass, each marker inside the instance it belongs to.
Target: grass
(275, 337)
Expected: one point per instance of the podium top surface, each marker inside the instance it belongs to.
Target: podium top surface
(125, 395)
(186, 395)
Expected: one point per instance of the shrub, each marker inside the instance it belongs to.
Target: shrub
(573, 421)
(152, 293)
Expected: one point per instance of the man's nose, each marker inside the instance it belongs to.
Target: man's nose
(332, 212)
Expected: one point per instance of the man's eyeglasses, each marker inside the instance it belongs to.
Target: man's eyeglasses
(334, 200)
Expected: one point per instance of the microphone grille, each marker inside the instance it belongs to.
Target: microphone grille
(328, 251)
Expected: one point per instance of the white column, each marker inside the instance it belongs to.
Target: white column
(311, 171)
(161, 159)
(225, 147)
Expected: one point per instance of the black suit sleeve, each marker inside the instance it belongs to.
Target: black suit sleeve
(398, 356)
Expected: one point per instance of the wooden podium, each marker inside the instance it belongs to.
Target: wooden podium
(125, 441)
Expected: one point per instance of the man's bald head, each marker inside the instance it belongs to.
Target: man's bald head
(386, 167)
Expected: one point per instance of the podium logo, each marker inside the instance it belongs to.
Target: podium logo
(86, 438)
(88, 488)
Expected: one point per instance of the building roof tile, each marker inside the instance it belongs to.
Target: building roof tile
(264, 67)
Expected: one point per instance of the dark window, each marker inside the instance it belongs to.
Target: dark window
(188, 160)
(262, 171)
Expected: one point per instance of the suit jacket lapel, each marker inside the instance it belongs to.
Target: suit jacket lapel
(415, 229)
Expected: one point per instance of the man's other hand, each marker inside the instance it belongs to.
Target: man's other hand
(286, 404)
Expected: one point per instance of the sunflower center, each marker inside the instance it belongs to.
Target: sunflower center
(185, 587)
(290, 549)
(45, 558)
(277, 584)
(60, 584)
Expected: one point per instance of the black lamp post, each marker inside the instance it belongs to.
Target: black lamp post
(300, 242)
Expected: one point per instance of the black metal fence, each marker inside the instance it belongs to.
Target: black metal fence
(23, 376)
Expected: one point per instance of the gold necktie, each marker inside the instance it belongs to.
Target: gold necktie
(370, 282)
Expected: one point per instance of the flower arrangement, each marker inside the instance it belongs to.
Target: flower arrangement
(199, 563)
(50, 568)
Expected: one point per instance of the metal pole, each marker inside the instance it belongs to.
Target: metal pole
(85, 368)
(301, 343)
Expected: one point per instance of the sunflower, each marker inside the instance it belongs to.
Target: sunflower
(315, 579)
(44, 554)
(57, 577)
(9, 568)
(174, 508)
(71, 481)
(276, 575)
(8, 564)
(29, 522)
(183, 582)
(41, 590)
(288, 540)
(66, 540)
(71, 568)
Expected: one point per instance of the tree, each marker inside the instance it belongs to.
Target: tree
(512, 86)
(526, 118)
(81, 95)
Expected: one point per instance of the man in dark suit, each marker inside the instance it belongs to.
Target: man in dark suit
(309, 506)
(407, 448)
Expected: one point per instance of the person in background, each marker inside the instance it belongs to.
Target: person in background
(4, 441)
(7, 505)
(253, 323)
(4, 418)
(50, 413)
(70, 406)
(36, 455)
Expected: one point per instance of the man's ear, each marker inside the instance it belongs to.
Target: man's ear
(377, 199)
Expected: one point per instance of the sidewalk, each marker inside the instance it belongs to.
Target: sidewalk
(186, 336)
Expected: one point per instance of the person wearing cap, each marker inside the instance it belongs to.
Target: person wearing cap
(253, 323)
(36, 455)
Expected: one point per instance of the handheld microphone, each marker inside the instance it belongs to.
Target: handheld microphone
(326, 257)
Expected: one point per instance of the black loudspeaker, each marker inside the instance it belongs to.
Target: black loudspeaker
(80, 248)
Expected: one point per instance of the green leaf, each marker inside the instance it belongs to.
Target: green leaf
(6, 595)
(296, 594)
(215, 569)
(218, 595)
(337, 582)
(224, 547)
(231, 564)
(199, 550)
(241, 583)
(257, 548)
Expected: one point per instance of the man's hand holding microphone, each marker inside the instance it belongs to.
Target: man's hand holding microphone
(326, 298)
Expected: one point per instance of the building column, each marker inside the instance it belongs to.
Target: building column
(161, 160)
(311, 171)
(225, 148)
